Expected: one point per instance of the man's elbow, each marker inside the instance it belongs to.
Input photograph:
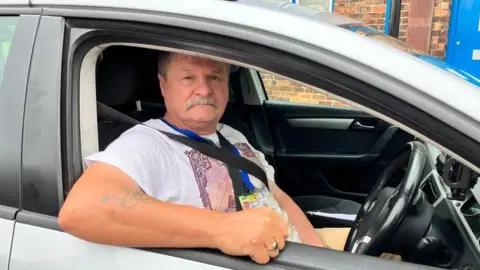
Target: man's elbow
(76, 219)
(68, 218)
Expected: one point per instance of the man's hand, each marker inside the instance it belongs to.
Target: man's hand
(253, 233)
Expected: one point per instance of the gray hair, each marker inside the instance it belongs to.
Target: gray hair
(164, 58)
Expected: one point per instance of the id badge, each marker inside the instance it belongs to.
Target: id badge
(248, 200)
(252, 200)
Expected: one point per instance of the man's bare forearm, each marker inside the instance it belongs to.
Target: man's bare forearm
(128, 217)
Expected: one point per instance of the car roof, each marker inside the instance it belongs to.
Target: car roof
(296, 22)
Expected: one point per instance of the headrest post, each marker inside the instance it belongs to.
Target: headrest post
(138, 104)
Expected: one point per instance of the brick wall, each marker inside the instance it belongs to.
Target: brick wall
(440, 23)
(371, 12)
(402, 34)
(279, 88)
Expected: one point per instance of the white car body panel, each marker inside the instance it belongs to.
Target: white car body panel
(6, 234)
(43, 249)
(14, 2)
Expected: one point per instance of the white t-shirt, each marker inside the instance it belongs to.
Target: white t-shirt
(173, 172)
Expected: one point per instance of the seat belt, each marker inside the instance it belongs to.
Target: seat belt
(222, 154)
(239, 185)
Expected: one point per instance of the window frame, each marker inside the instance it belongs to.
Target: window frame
(12, 105)
(42, 146)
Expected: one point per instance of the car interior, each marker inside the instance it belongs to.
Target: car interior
(330, 168)
(127, 81)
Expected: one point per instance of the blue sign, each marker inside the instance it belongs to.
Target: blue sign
(463, 49)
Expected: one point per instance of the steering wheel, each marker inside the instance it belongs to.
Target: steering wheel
(385, 207)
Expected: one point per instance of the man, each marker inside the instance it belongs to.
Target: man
(146, 190)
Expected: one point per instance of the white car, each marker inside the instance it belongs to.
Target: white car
(399, 165)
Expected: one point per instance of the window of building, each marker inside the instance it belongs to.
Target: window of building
(321, 5)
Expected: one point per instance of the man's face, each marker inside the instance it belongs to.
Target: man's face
(195, 89)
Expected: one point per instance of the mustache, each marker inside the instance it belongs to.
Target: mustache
(196, 101)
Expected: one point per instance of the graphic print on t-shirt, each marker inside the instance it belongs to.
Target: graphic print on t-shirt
(213, 180)
(247, 152)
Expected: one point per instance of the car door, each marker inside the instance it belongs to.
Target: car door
(324, 146)
(16, 41)
(58, 122)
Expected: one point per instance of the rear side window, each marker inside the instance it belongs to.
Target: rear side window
(7, 30)
(282, 89)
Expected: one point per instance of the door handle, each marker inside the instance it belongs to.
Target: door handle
(359, 125)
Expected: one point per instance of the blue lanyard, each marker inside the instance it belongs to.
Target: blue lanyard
(195, 136)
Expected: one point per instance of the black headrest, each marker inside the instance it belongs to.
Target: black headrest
(124, 73)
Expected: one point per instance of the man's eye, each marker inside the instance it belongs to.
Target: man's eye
(215, 78)
(188, 78)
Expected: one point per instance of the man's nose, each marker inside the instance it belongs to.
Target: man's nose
(203, 88)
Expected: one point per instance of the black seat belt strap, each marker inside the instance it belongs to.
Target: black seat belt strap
(239, 185)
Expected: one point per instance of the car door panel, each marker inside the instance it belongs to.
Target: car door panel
(329, 150)
(39, 242)
(6, 235)
(7, 225)
(53, 249)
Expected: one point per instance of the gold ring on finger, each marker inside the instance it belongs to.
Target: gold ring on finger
(274, 246)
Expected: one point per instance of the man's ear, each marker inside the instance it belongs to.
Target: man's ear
(162, 82)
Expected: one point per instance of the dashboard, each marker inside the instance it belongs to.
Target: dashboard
(453, 239)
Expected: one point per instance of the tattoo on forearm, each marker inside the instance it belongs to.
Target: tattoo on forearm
(128, 198)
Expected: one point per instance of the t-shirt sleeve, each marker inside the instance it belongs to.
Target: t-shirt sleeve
(239, 137)
(138, 153)
(269, 170)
